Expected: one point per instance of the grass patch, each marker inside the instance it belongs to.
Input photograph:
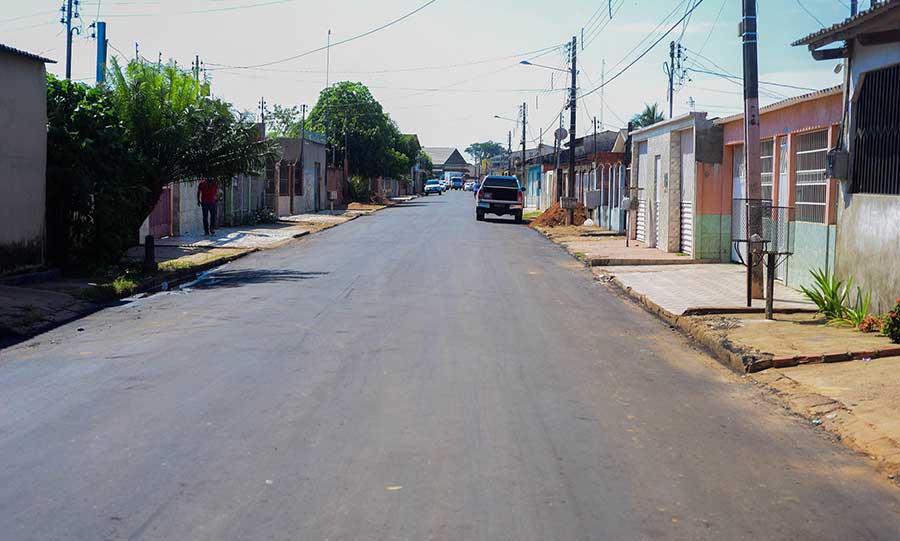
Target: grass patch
(118, 287)
(531, 215)
(581, 255)
(175, 264)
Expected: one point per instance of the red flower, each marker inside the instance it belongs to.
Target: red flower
(893, 315)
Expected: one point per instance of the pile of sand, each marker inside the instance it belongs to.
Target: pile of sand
(556, 216)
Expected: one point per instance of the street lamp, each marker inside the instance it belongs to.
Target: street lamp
(527, 63)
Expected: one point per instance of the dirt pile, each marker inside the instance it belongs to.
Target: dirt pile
(556, 216)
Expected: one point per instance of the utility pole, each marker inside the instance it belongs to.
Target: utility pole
(509, 152)
(751, 145)
(101, 51)
(559, 183)
(854, 7)
(302, 139)
(597, 182)
(522, 180)
(327, 99)
(670, 70)
(570, 185)
(197, 68)
(602, 89)
(137, 55)
(262, 114)
(69, 39)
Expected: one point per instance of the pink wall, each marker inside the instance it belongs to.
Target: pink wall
(804, 116)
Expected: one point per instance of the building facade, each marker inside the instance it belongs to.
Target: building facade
(23, 157)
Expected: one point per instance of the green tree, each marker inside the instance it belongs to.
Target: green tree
(177, 134)
(347, 112)
(482, 151)
(283, 121)
(94, 191)
(650, 115)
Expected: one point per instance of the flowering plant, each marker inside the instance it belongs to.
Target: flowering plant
(870, 324)
(890, 327)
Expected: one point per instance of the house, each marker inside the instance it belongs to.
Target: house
(292, 187)
(600, 167)
(23, 157)
(675, 174)
(795, 135)
(446, 160)
(867, 215)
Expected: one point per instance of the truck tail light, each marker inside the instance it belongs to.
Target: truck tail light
(480, 193)
(521, 197)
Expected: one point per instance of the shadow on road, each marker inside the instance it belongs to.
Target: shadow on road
(237, 278)
(505, 221)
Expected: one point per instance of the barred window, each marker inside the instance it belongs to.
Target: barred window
(876, 160)
(270, 176)
(767, 162)
(809, 177)
(284, 178)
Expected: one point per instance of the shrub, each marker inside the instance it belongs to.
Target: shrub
(855, 315)
(870, 324)
(828, 294)
(890, 326)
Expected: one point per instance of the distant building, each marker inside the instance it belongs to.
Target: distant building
(446, 159)
(23, 157)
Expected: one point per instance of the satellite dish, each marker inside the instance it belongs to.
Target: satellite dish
(561, 134)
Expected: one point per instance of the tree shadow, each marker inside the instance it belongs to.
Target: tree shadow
(238, 278)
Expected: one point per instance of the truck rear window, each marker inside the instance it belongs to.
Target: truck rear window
(500, 183)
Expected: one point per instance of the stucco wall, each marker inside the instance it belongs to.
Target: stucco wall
(23, 159)
(868, 245)
(814, 246)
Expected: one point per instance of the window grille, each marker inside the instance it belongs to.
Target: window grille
(876, 160)
(810, 183)
(767, 162)
(284, 177)
(298, 178)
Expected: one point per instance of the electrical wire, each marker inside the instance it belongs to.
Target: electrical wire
(643, 54)
(198, 11)
(713, 27)
(343, 41)
(810, 13)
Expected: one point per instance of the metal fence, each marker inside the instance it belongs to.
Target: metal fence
(762, 222)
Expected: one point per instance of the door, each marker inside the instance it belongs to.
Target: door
(642, 193)
(784, 190)
(160, 220)
(687, 192)
(739, 191)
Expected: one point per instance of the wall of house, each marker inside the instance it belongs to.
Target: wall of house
(712, 213)
(868, 245)
(23, 160)
(868, 225)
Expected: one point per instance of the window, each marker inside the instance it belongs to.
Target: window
(284, 178)
(767, 162)
(809, 177)
(298, 178)
(876, 150)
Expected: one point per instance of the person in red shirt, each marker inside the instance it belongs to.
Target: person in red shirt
(207, 190)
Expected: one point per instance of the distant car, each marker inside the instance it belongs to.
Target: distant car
(500, 196)
(434, 186)
(444, 185)
(469, 186)
(456, 183)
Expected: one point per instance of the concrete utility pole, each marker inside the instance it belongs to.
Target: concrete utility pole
(302, 139)
(509, 152)
(751, 143)
(854, 7)
(522, 180)
(69, 39)
(570, 185)
(559, 184)
(101, 51)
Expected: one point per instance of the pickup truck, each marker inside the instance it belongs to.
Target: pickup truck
(456, 183)
(500, 196)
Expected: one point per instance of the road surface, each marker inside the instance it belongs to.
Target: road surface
(409, 375)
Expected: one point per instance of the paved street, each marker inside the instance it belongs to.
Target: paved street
(413, 375)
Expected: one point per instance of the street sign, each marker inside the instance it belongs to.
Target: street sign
(561, 134)
(568, 203)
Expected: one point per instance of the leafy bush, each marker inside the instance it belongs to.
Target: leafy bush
(890, 326)
(870, 324)
(359, 189)
(855, 315)
(828, 294)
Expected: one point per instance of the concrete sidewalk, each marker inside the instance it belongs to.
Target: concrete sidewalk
(690, 289)
(244, 237)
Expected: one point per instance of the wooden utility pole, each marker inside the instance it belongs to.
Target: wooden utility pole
(751, 145)
(68, 39)
(570, 184)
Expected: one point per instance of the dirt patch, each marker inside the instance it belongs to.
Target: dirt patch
(555, 216)
(354, 205)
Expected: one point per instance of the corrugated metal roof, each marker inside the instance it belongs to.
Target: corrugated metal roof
(785, 103)
(863, 16)
(26, 54)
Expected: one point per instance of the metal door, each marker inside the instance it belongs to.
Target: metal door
(160, 220)
(784, 190)
(739, 191)
(687, 192)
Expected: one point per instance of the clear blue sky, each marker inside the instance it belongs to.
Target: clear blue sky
(452, 105)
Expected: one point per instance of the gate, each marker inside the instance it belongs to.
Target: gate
(160, 220)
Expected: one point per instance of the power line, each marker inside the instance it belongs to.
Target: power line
(650, 34)
(713, 27)
(643, 54)
(769, 83)
(810, 13)
(199, 11)
(341, 42)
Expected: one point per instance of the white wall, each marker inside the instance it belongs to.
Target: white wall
(23, 156)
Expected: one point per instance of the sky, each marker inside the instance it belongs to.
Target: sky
(446, 71)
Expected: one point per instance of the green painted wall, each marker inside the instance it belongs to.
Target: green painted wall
(712, 237)
(813, 249)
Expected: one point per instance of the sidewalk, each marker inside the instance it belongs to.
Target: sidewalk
(599, 247)
(245, 237)
(796, 356)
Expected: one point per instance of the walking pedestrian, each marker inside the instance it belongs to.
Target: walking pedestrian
(207, 190)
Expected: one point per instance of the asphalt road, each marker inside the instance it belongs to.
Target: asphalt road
(408, 375)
